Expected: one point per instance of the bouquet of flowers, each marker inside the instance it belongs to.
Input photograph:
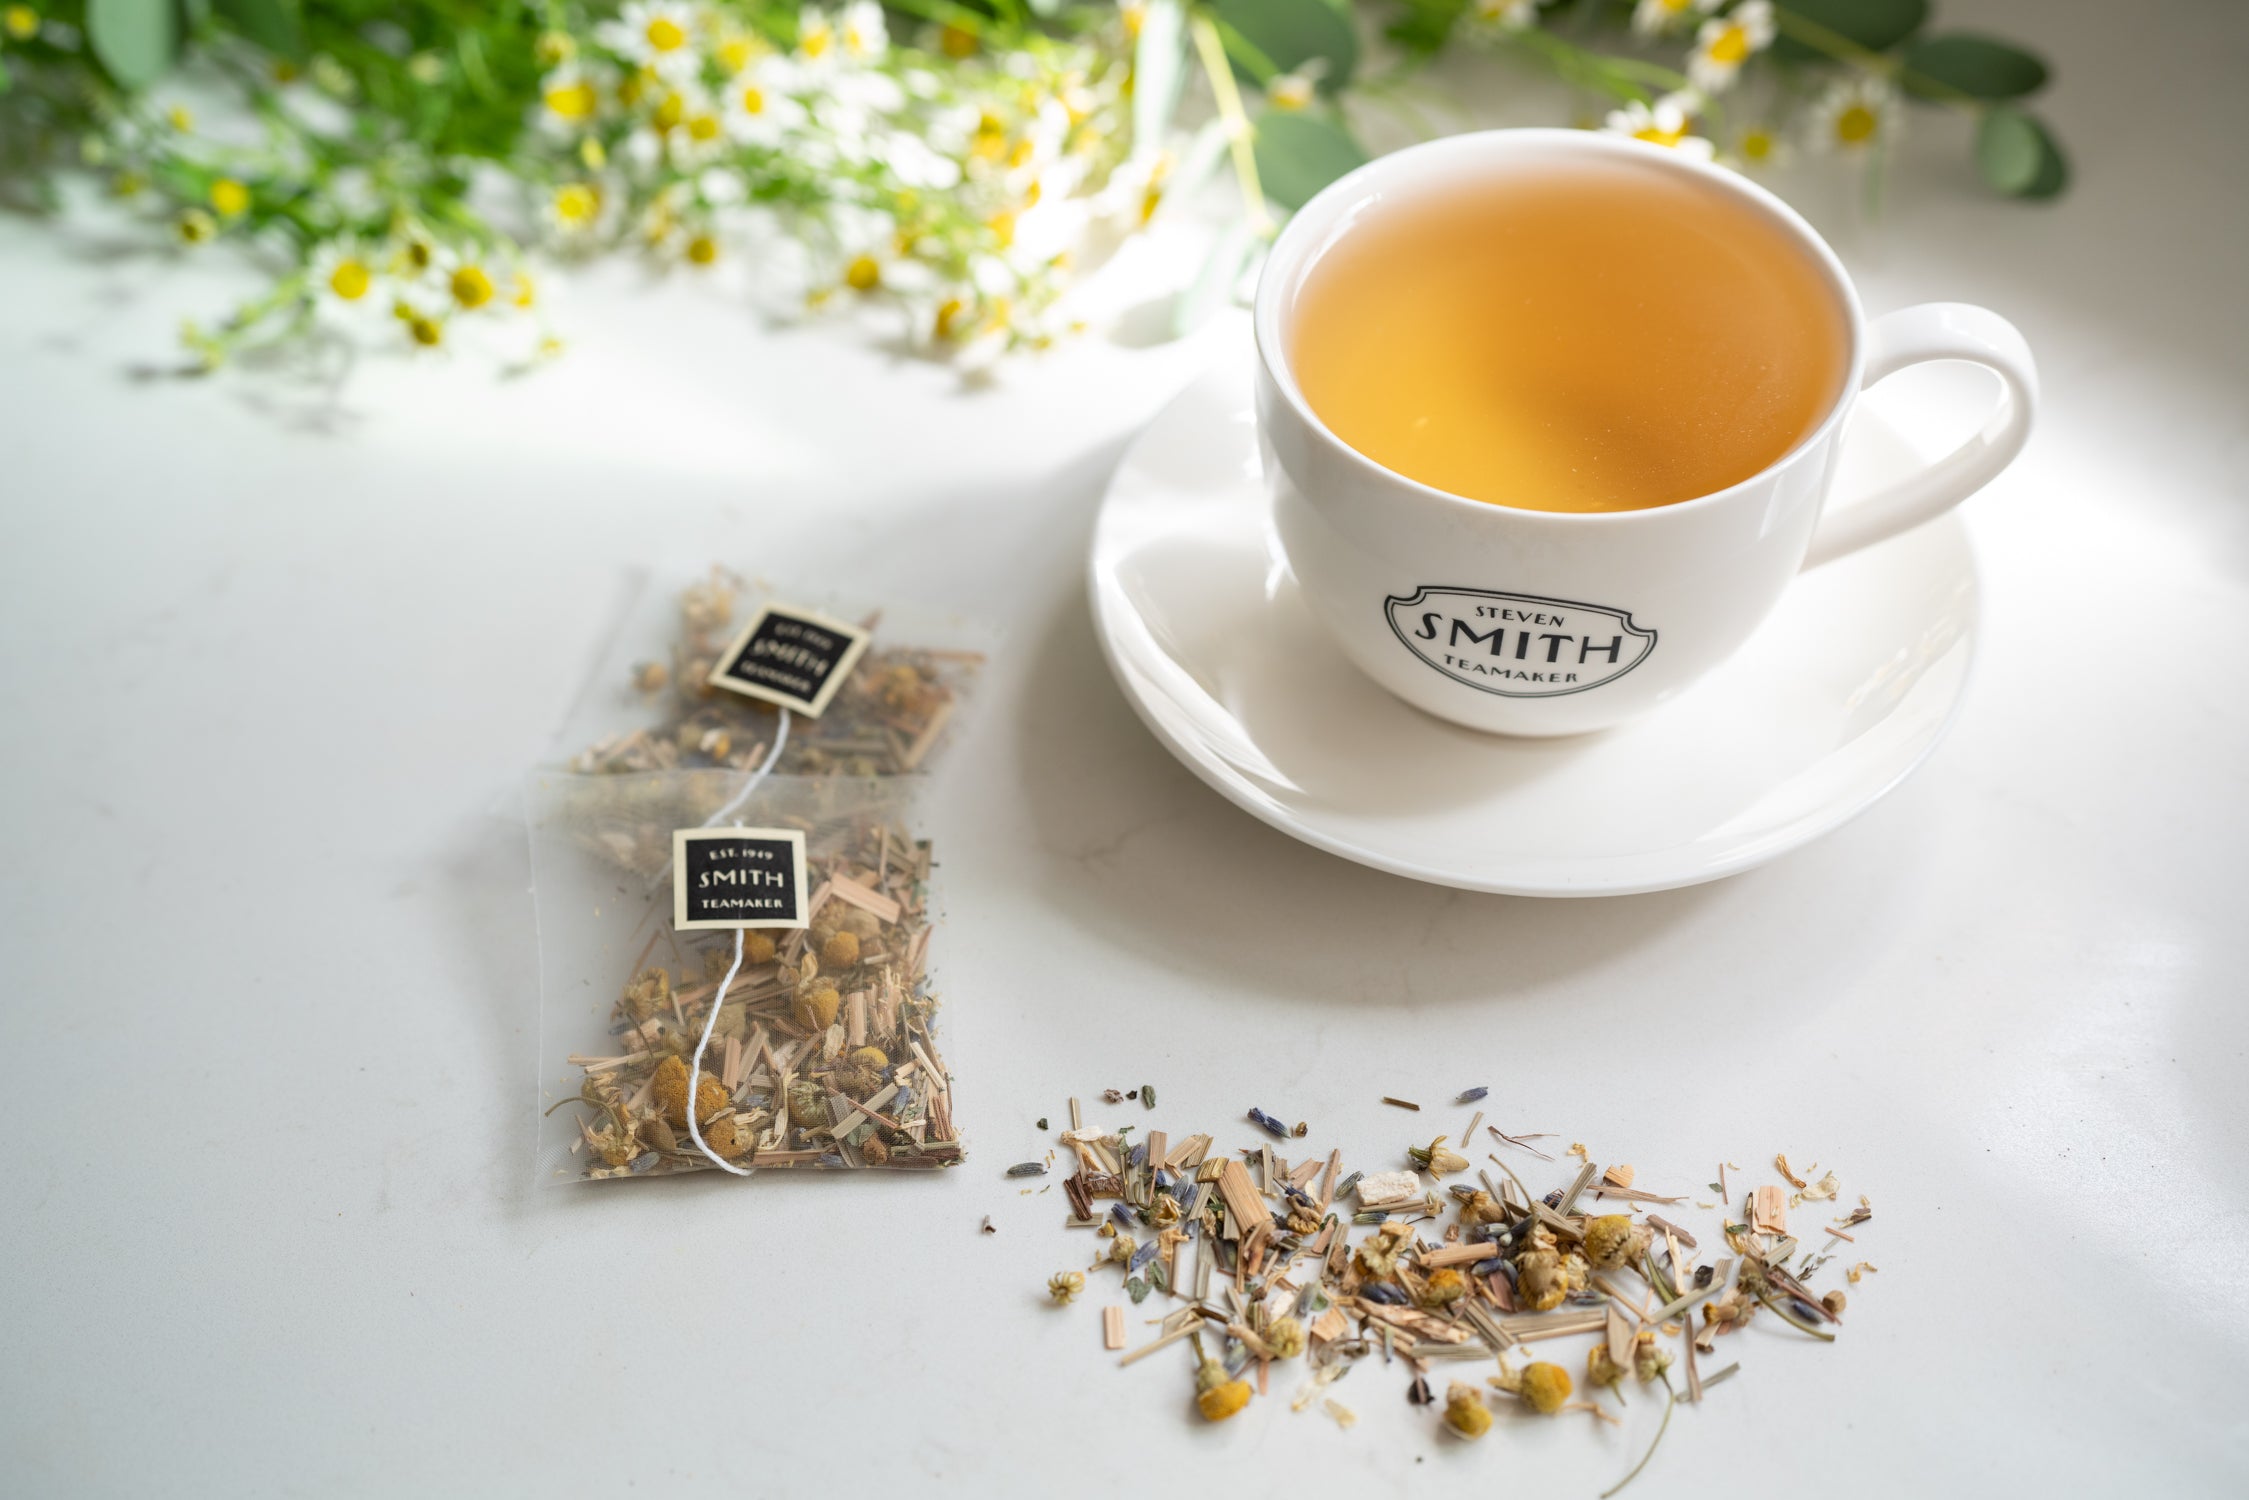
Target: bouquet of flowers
(412, 166)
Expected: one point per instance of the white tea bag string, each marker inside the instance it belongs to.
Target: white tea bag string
(710, 1022)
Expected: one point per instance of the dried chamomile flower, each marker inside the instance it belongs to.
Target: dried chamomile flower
(1121, 1248)
(1613, 1242)
(1465, 1413)
(870, 1057)
(1165, 1210)
(651, 676)
(649, 992)
(1443, 1289)
(1378, 1255)
(873, 1152)
(1437, 1158)
(816, 1007)
(808, 1107)
(725, 1137)
(1478, 1208)
(840, 951)
(1540, 1282)
(757, 948)
(1601, 1367)
(671, 1093)
(1064, 1285)
(1217, 1395)
(1543, 1387)
(1649, 1358)
(1284, 1338)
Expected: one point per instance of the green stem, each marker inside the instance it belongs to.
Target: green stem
(1670, 1399)
(1240, 136)
(1793, 1321)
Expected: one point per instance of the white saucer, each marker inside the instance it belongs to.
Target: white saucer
(1840, 695)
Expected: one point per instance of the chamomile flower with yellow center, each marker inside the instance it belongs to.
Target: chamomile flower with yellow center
(576, 208)
(1726, 42)
(816, 37)
(736, 49)
(1655, 17)
(1504, 15)
(1757, 147)
(867, 252)
(1668, 122)
(570, 98)
(1293, 91)
(757, 105)
(230, 198)
(1854, 116)
(1134, 15)
(470, 286)
(21, 22)
(343, 273)
(861, 33)
(656, 34)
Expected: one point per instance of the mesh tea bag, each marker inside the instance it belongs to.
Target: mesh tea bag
(653, 706)
(666, 1047)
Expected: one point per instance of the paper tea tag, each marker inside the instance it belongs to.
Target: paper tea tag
(738, 877)
(790, 656)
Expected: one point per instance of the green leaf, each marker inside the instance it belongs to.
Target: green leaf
(1978, 66)
(276, 25)
(2018, 157)
(1876, 25)
(136, 40)
(1291, 33)
(1298, 153)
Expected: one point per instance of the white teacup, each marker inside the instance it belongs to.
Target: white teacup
(1603, 615)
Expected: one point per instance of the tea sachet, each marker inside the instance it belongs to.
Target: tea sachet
(822, 1051)
(654, 706)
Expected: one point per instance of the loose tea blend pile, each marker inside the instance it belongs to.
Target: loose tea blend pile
(1257, 1254)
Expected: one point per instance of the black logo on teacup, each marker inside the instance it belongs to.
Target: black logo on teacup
(1518, 645)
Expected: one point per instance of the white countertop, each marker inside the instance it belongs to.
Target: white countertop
(275, 659)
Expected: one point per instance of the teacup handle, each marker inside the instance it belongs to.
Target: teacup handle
(1917, 335)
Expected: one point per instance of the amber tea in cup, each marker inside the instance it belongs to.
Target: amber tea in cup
(1605, 337)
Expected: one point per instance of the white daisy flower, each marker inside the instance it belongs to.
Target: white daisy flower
(344, 277)
(569, 99)
(862, 33)
(1504, 15)
(1757, 147)
(577, 209)
(1667, 122)
(1296, 90)
(816, 38)
(1655, 17)
(1854, 115)
(656, 34)
(757, 104)
(866, 248)
(699, 134)
(1726, 42)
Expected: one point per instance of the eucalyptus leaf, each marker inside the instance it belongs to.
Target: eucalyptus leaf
(2018, 157)
(1876, 25)
(136, 40)
(1299, 152)
(276, 25)
(1158, 72)
(1292, 33)
(1940, 67)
